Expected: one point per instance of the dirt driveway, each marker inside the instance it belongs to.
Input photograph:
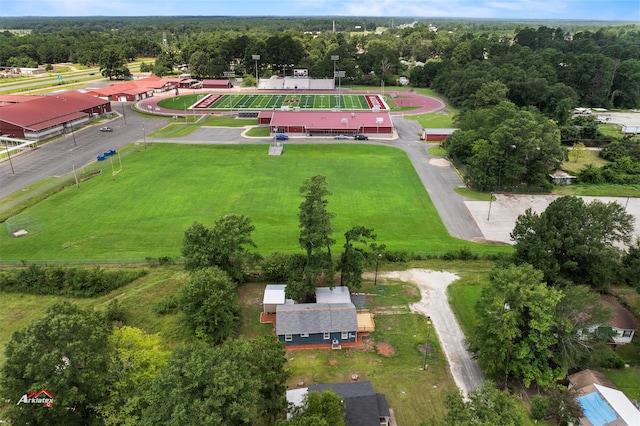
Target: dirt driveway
(433, 287)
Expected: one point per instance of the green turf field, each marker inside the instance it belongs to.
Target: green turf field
(254, 101)
(162, 190)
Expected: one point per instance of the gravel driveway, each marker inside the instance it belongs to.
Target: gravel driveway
(434, 303)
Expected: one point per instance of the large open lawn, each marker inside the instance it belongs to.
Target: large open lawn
(163, 189)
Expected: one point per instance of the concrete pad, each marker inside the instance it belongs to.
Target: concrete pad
(496, 224)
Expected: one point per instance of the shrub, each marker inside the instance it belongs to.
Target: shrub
(167, 305)
(115, 312)
(396, 256)
(463, 254)
(539, 407)
(62, 281)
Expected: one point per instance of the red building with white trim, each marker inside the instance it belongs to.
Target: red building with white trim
(327, 123)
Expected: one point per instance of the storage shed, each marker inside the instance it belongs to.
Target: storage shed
(436, 135)
(273, 297)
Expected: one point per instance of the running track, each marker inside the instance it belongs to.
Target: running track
(424, 104)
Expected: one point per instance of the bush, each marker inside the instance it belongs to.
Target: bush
(539, 407)
(396, 256)
(61, 281)
(275, 267)
(115, 312)
(463, 254)
(167, 305)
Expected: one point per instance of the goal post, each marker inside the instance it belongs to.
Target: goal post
(22, 225)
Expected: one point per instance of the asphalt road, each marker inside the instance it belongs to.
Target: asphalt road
(58, 157)
(438, 180)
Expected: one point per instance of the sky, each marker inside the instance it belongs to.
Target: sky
(601, 10)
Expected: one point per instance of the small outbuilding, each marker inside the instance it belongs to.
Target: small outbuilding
(560, 177)
(436, 135)
(216, 84)
(273, 297)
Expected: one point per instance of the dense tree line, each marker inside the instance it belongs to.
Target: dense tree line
(553, 69)
(549, 68)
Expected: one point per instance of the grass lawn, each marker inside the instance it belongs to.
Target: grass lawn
(627, 380)
(473, 194)
(162, 190)
(414, 394)
(137, 298)
(603, 190)
(586, 157)
(437, 151)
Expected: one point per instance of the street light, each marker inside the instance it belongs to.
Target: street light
(627, 203)
(13, 172)
(490, 201)
(375, 279)
(144, 137)
(426, 344)
(256, 58)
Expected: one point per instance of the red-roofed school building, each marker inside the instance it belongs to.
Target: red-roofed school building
(317, 123)
(41, 117)
(136, 90)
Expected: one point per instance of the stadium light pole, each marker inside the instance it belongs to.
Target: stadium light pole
(334, 58)
(256, 58)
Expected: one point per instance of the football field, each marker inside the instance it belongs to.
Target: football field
(257, 101)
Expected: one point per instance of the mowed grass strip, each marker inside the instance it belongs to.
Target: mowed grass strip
(162, 190)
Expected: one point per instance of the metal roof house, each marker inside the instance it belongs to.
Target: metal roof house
(363, 407)
(317, 324)
(623, 324)
(601, 403)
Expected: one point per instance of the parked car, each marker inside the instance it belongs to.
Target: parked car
(361, 137)
(281, 137)
(106, 129)
(340, 137)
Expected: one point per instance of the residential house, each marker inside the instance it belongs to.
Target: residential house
(622, 326)
(363, 407)
(601, 403)
(317, 324)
